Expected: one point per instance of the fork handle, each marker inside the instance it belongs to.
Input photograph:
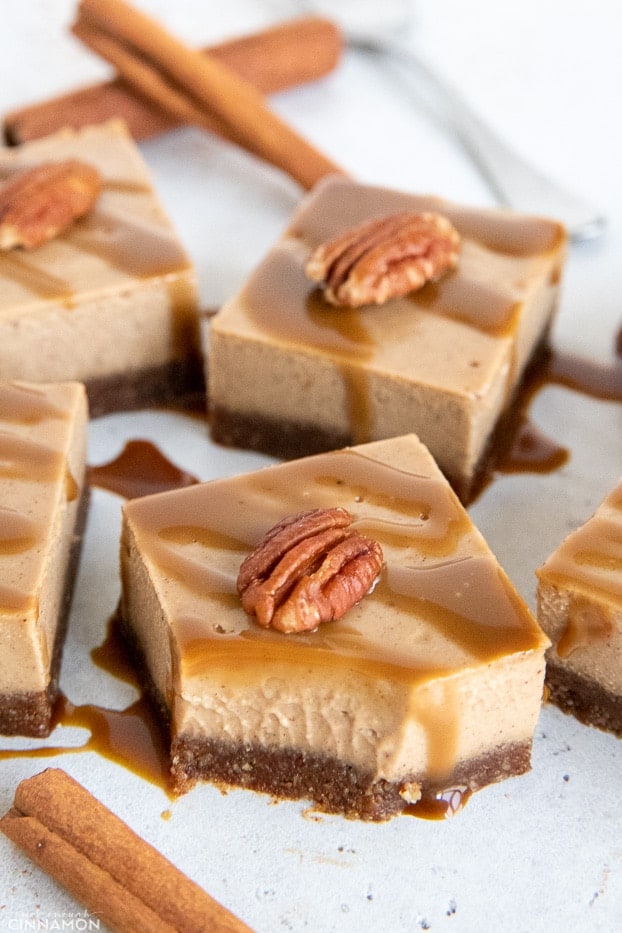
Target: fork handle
(513, 180)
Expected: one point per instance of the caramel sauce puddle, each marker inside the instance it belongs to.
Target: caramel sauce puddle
(139, 470)
(130, 737)
(530, 450)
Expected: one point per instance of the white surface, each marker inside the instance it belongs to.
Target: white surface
(538, 853)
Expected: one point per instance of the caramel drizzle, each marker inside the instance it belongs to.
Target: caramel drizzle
(284, 303)
(28, 460)
(18, 534)
(27, 404)
(424, 523)
(590, 560)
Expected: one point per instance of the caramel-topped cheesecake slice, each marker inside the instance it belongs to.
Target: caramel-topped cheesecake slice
(111, 300)
(291, 374)
(430, 680)
(43, 499)
(580, 607)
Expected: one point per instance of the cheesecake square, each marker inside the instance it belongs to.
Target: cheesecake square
(289, 374)
(580, 608)
(431, 683)
(43, 503)
(111, 301)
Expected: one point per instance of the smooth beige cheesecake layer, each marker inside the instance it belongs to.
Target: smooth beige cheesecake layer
(112, 298)
(580, 607)
(441, 665)
(42, 478)
(443, 362)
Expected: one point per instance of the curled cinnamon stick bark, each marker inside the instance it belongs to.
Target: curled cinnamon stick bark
(157, 57)
(117, 875)
(273, 59)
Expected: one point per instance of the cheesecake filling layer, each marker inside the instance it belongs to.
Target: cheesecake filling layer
(444, 361)
(42, 504)
(439, 665)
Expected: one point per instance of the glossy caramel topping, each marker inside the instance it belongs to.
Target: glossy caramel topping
(284, 302)
(25, 272)
(18, 533)
(21, 458)
(589, 561)
(433, 572)
(27, 404)
(135, 248)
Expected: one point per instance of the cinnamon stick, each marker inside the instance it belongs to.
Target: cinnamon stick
(195, 81)
(273, 60)
(117, 875)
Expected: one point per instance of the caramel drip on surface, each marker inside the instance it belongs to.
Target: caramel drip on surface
(532, 451)
(589, 562)
(590, 377)
(131, 737)
(441, 807)
(21, 458)
(474, 303)
(23, 272)
(139, 470)
(587, 623)
(27, 405)
(13, 600)
(18, 533)
(131, 247)
(441, 720)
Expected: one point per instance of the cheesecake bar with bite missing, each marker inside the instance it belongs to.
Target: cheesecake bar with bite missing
(43, 500)
(580, 608)
(333, 629)
(109, 300)
(431, 332)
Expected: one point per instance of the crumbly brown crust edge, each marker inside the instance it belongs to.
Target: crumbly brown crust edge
(332, 785)
(31, 713)
(291, 440)
(586, 700)
(172, 383)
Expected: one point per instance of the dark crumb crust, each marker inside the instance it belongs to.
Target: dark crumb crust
(584, 699)
(332, 785)
(31, 713)
(156, 385)
(290, 440)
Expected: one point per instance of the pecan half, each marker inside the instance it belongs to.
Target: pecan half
(308, 569)
(39, 203)
(384, 258)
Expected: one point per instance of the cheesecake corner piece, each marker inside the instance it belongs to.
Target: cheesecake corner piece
(110, 299)
(580, 608)
(43, 505)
